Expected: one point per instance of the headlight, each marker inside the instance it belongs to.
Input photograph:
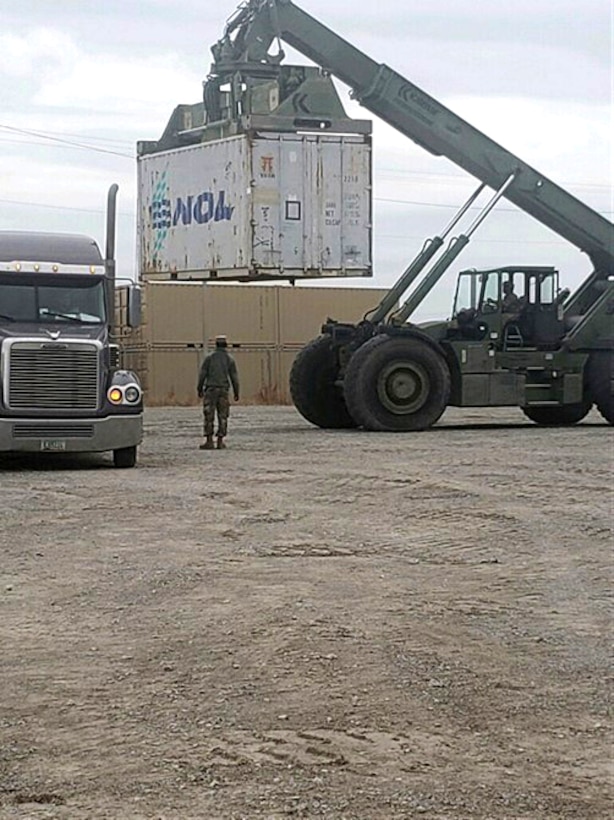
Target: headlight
(129, 393)
(132, 394)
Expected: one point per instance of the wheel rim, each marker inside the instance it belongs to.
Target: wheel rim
(403, 387)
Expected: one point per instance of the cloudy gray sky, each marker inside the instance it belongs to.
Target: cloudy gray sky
(82, 81)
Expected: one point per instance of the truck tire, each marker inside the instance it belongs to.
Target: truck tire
(600, 380)
(312, 386)
(124, 457)
(561, 416)
(396, 384)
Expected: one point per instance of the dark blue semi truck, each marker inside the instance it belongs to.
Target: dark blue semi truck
(61, 387)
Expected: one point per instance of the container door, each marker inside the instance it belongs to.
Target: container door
(337, 186)
(311, 203)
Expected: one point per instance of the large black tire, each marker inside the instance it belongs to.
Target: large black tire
(600, 380)
(560, 416)
(125, 457)
(396, 384)
(312, 386)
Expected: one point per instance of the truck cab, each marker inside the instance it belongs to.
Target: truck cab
(61, 387)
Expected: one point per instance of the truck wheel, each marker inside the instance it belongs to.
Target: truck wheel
(396, 384)
(566, 414)
(600, 380)
(313, 389)
(124, 457)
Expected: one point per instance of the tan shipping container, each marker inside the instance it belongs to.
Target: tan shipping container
(303, 310)
(266, 327)
(174, 314)
(172, 375)
(246, 314)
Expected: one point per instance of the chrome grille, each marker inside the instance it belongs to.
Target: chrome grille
(36, 430)
(53, 376)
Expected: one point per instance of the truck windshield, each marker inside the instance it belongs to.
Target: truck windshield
(52, 298)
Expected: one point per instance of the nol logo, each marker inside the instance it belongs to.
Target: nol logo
(206, 207)
(201, 209)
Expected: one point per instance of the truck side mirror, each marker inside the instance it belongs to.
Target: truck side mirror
(134, 306)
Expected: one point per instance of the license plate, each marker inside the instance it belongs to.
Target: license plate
(53, 445)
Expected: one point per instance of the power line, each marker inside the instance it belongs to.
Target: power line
(443, 205)
(89, 137)
(23, 139)
(389, 173)
(59, 207)
(28, 204)
(404, 237)
(7, 140)
(73, 144)
(392, 172)
(513, 241)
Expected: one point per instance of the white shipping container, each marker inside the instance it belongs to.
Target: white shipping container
(272, 206)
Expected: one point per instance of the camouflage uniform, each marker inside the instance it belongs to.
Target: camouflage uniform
(215, 399)
(511, 303)
(218, 371)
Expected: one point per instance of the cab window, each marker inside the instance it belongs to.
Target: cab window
(466, 293)
(489, 296)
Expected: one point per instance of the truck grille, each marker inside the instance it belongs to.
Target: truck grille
(68, 430)
(53, 376)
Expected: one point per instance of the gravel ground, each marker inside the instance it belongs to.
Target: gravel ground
(311, 623)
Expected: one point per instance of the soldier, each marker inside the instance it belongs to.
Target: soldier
(511, 303)
(217, 372)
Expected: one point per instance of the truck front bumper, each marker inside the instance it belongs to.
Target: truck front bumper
(93, 435)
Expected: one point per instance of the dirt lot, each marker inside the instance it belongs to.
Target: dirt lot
(311, 624)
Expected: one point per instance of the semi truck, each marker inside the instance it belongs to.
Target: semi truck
(62, 389)
(552, 355)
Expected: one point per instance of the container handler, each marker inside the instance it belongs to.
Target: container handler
(553, 356)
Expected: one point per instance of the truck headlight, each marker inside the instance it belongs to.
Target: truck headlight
(125, 391)
(132, 394)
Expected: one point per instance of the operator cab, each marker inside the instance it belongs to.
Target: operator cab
(516, 307)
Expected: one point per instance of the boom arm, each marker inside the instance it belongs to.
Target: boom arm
(249, 36)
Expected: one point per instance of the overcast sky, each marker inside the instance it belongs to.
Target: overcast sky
(82, 81)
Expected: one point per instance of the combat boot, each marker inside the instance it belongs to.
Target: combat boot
(220, 443)
(208, 445)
